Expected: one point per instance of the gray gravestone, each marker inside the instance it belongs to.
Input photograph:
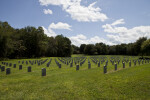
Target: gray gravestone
(123, 65)
(105, 69)
(59, 65)
(130, 64)
(20, 67)
(77, 67)
(2, 68)
(14, 65)
(10, 64)
(7, 71)
(43, 71)
(98, 64)
(142, 62)
(71, 64)
(115, 66)
(29, 69)
(89, 65)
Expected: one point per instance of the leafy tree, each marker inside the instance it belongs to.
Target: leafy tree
(52, 47)
(90, 49)
(101, 48)
(64, 46)
(145, 47)
(138, 43)
(82, 47)
(76, 50)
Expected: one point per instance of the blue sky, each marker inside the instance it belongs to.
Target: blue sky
(83, 21)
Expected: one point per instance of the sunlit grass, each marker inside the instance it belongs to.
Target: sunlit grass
(67, 83)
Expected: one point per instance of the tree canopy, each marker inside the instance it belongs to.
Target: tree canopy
(31, 42)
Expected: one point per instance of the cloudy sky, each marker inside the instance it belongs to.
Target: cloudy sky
(83, 21)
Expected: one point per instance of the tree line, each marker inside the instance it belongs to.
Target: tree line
(30, 42)
(140, 47)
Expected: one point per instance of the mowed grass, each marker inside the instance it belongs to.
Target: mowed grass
(130, 83)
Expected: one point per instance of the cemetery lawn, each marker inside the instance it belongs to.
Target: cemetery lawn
(130, 83)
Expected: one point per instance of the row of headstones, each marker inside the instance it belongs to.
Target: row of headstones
(10, 64)
(98, 61)
(114, 61)
(8, 70)
(134, 61)
(115, 68)
(58, 64)
(65, 60)
(105, 67)
(77, 60)
(39, 62)
(89, 64)
(83, 61)
(48, 64)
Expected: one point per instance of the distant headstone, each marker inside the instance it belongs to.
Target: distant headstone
(7, 71)
(135, 63)
(10, 64)
(98, 64)
(123, 65)
(71, 64)
(2, 68)
(139, 62)
(59, 65)
(14, 65)
(142, 62)
(29, 69)
(129, 63)
(106, 63)
(115, 66)
(89, 65)
(77, 67)
(43, 71)
(67, 63)
(105, 69)
(20, 67)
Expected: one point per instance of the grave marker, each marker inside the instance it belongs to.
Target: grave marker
(43, 71)
(7, 71)
(105, 69)
(29, 69)
(20, 67)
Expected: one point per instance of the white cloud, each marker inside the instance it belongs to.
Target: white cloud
(123, 34)
(81, 39)
(77, 11)
(60, 25)
(117, 22)
(49, 32)
(47, 11)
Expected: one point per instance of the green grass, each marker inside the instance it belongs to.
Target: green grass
(68, 84)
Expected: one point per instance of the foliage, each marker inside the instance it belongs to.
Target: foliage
(90, 49)
(145, 47)
(75, 49)
(31, 42)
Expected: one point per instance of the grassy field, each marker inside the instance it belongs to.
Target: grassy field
(130, 83)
